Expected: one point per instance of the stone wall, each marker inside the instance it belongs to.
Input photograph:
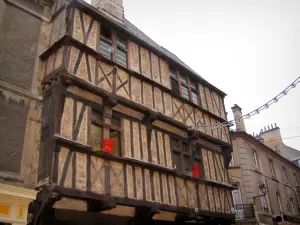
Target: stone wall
(22, 39)
(244, 172)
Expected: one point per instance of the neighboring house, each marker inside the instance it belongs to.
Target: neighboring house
(271, 137)
(23, 27)
(254, 165)
(96, 118)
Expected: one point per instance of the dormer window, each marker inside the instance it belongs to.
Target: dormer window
(183, 86)
(113, 46)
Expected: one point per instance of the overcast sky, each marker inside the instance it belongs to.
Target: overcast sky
(250, 49)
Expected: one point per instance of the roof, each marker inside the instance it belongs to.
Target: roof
(137, 33)
(294, 159)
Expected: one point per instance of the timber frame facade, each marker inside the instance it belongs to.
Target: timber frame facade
(86, 94)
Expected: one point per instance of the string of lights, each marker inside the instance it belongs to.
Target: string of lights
(252, 113)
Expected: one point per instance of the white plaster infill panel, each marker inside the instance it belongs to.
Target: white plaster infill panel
(14, 203)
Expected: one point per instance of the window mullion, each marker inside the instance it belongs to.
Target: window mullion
(114, 45)
(179, 82)
(190, 90)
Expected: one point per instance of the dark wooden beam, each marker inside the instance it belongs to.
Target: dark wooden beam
(98, 206)
(43, 205)
(144, 215)
(108, 200)
(70, 79)
(133, 162)
(67, 40)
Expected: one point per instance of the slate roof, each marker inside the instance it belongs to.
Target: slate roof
(133, 30)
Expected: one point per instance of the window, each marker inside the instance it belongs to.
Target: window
(279, 202)
(113, 46)
(292, 206)
(255, 159)
(263, 202)
(106, 42)
(121, 57)
(96, 131)
(272, 168)
(175, 86)
(97, 137)
(295, 179)
(285, 177)
(198, 160)
(194, 92)
(183, 159)
(232, 160)
(115, 135)
(183, 86)
(236, 195)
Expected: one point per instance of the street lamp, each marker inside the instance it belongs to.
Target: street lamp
(264, 189)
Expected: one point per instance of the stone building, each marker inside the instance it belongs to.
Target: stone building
(96, 119)
(23, 28)
(271, 136)
(254, 165)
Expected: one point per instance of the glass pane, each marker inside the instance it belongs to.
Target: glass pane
(198, 153)
(96, 137)
(173, 72)
(193, 85)
(121, 42)
(175, 144)
(184, 92)
(105, 32)
(115, 121)
(105, 49)
(185, 148)
(176, 161)
(195, 98)
(115, 136)
(182, 78)
(199, 164)
(121, 57)
(175, 87)
(96, 116)
(187, 165)
(236, 195)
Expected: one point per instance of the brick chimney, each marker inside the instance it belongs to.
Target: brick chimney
(113, 8)
(239, 121)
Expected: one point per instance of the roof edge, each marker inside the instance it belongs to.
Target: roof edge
(249, 136)
(95, 11)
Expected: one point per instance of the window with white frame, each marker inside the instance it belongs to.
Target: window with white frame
(295, 179)
(236, 195)
(232, 160)
(263, 202)
(285, 176)
(292, 206)
(279, 202)
(272, 168)
(255, 159)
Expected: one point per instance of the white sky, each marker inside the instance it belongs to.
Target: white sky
(248, 48)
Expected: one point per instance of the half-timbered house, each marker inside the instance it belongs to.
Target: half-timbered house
(104, 81)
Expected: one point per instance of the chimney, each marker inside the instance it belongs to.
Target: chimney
(272, 137)
(113, 8)
(259, 138)
(239, 121)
